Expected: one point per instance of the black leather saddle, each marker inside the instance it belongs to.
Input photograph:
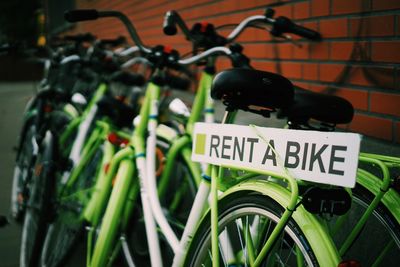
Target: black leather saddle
(252, 90)
(325, 108)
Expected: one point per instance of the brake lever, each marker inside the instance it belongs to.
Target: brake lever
(291, 40)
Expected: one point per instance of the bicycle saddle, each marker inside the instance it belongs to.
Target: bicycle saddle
(322, 107)
(252, 90)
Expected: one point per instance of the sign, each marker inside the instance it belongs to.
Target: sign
(321, 157)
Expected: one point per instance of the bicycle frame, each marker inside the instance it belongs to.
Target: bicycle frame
(83, 123)
(380, 188)
(287, 197)
(125, 169)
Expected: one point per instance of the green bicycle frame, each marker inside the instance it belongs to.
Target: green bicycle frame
(380, 188)
(71, 128)
(123, 165)
(288, 198)
(182, 145)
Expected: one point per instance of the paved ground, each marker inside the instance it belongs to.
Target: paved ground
(13, 97)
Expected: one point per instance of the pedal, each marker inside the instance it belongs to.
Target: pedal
(332, 201)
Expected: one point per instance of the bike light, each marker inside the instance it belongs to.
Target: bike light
(114, 139)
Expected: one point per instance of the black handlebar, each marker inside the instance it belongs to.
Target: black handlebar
(169, 25)
(285, 25)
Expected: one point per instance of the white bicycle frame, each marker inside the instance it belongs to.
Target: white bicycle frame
(152, 208)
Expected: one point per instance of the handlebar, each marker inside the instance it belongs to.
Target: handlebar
(279, 25)
(219, 50)
(93, 14)
(172, 20)
(285, 25)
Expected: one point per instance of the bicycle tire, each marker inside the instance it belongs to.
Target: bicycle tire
(248, 205)
(381, 227)
(22, 173)
(37, 211)
(67, 227)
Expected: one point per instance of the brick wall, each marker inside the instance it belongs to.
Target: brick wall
(357, 59)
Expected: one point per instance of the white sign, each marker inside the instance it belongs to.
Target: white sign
(321, 157)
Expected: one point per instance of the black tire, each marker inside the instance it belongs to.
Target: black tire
(380, 229)
(67, 227)
(257, 210)
(38, 210)
(22, 172)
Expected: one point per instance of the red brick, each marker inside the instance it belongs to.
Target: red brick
(302, 51)
(372, 126)
(222, 64)
(265, 66)
(302, 85)
(284, 10)
(381, 77)
(341, 50)
(333, 28)
(350, 51)
(313, 25)
(372, 26)
(319, 51)
(318, 88)
(310, 71)
(258, 50)
(358, 98)
(251, 4)
(284, 50)
(291, 70)
(301, 10)
(250, 35)
(330, 72)
(386, 4)
(320, 8)
(346, 6)
(358, 75)
(385, 103)
(386, 51)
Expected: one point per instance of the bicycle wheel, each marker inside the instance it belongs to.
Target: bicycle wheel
(380, 236)
(38, 205)
(245, 219)
(22, 172)
(66, 230)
